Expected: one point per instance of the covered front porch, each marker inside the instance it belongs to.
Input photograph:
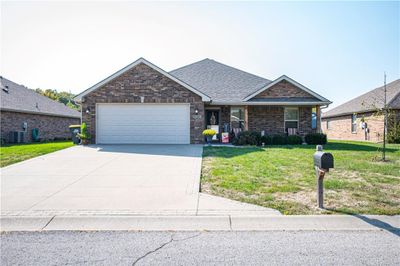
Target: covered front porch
(228, 121)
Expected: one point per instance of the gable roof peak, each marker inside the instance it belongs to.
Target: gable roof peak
(132, 65)
(292, 81)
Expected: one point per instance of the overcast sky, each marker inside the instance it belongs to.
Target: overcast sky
(338, 49)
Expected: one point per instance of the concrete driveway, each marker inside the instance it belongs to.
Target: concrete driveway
(111, 180)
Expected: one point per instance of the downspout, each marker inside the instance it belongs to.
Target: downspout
(320, 117)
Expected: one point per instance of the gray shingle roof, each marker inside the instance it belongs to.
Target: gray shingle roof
(221, 82)
(369, 101)
(21, 99)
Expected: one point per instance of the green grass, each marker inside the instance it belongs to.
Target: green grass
(10, 154)
(283, 177)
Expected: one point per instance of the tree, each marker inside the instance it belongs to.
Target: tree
(64, 97)
(391, 126)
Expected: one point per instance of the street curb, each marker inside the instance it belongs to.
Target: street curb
(200, 223)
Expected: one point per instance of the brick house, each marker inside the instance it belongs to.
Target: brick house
(361, 118)
(23, 109)
(142, 103)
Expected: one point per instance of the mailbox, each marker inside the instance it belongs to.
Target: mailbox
(323, 160)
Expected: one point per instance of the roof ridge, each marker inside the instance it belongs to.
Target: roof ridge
(373, 91)
(225, 65)
(353, 99)
(239, 69)
(190, 64)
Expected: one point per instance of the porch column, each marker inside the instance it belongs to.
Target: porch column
(246, 118)
(318, 113)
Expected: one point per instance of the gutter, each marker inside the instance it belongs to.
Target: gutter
(356, 112)
(271, 103)
(38, 113)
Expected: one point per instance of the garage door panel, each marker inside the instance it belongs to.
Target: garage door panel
(143, 133)
(127, 139)
(143, 123)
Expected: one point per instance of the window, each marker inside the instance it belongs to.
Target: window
(291, 118)
(354, 123)
(237, 117)
(327, 124)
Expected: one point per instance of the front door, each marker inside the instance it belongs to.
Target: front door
(212, 121)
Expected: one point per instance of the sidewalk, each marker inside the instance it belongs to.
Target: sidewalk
(200, 222)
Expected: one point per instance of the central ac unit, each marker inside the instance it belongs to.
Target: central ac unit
(17, 136)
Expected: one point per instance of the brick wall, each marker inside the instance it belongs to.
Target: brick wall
(271, 119)
(50, 127)
(340, 127)
(139, 81)
(225, 116)
(283, 89)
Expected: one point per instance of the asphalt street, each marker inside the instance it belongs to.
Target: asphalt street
(201, 248)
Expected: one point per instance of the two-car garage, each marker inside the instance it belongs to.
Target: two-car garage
(143, 123)
(143, 104)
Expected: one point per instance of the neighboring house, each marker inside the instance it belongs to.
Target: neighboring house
(142, 103)
(361, 118)
(23, 109)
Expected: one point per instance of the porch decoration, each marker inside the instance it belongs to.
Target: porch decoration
(225, 137)
(209, 133)
(213, 119)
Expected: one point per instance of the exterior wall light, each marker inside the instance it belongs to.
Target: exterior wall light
(87, 110)
(196, 111)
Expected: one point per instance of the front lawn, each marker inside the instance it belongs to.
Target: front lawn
(283, 177)
(10, 154)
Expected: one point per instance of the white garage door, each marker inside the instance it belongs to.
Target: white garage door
(143, 123)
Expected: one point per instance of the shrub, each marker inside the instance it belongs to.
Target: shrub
(279, 140)
(294, 140)
(240, 139)
(232, 137)
(247, 138)
(209, 132)
(255, 138)
(316, 139)
(267, 140)
(393, 135)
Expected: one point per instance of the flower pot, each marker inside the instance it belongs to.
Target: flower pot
(209, 139)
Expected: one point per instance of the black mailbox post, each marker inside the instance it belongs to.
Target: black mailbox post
(323, 161)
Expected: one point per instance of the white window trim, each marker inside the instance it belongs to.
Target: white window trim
(290, 120)
(230, 114)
